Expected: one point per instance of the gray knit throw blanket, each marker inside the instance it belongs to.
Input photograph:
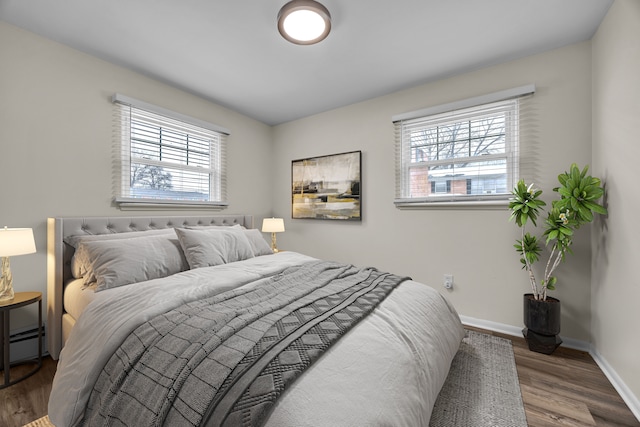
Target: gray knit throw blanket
(223, 361)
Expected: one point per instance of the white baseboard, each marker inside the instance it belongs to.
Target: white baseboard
(516, 331)
(491, 326)
(632, 401)
(627, 395)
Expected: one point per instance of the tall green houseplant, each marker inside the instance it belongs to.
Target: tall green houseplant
(579, 194)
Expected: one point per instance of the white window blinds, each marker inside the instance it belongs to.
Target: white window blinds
(167, 158)
(468, 151)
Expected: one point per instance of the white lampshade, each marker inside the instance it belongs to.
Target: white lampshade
(16, 241)
(304, 22)
(272, 225)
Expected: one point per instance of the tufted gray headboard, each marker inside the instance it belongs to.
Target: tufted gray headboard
(59, 254)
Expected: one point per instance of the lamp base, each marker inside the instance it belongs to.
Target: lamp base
(274, 247)
(6, 281)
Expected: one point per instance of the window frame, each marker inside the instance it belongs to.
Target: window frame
(128, 110)
(459, 112)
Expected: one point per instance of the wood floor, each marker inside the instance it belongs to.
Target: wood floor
(27, 400)
(566, 388)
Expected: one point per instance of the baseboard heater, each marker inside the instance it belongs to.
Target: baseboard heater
(24, 344)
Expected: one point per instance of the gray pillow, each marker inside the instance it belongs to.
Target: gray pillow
(209, 227)
(258, 244)
(125, 261)
(214, 246)
(79, 263)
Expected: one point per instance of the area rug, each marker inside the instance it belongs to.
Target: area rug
(482, 388)
(40, 422)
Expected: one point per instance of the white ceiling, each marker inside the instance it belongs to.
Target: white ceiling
(230, 51)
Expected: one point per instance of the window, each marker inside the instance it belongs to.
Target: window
(466, 151)
(165, 158)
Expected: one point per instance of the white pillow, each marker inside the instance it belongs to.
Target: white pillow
(214, 246)
(125, 261)
(258, 244)
(79, 262)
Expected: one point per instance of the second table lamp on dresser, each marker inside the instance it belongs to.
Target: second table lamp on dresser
(273, 226)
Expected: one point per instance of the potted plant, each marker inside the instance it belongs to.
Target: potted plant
(579, 194)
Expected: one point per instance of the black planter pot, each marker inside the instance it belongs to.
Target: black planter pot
(542, 321)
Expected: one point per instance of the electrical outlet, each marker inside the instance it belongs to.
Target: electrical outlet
(448, 281)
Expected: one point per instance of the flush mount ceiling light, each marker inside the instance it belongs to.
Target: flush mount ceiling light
(304, 22)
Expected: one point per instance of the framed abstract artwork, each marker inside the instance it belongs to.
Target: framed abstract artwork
(327, 187)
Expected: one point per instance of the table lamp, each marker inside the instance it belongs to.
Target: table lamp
(13, 241)
(273, 226)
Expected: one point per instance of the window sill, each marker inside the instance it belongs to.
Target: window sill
(129, 204)
(496, 204)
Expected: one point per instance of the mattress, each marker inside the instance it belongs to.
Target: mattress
(77, 297)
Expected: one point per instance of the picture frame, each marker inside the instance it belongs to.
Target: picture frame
(327, 187)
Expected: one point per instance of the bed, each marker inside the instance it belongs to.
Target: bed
(177, 326)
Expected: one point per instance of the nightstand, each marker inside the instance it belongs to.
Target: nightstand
(20, 299)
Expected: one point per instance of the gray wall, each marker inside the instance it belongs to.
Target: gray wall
(476, 246)
(56, 143)
(615, 286)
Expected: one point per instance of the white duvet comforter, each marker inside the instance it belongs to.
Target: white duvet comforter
(386, 371)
